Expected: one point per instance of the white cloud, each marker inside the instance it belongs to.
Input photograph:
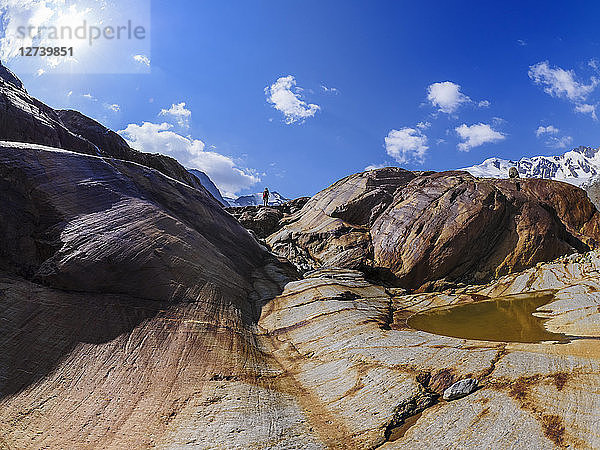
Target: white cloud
(587, 109)
(90, 97)
(552, 140)
(290, 103)
(521, 42)
(550, 129)
(406, 144)
(375, 167)
(330, 90)
(561, 83)
(423, 125)
(476, 135)
(158, 138)
(142, 59)
(180, 113)
(556, 142)
(484, 104)
(114, 107)
(446, 96)
(16, 13)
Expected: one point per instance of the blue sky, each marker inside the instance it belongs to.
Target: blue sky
(449, 84)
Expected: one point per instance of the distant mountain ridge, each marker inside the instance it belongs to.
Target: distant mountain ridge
(275, 199)
(579, 167)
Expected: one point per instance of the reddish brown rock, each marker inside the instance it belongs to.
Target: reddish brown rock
(419, 229)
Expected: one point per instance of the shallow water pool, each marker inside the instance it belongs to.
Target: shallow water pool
(503, 319)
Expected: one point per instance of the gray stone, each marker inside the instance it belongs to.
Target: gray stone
(461, 389)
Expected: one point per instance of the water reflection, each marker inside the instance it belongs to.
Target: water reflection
(503, 319)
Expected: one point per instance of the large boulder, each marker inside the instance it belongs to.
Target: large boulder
(416, 229)
(332, 228)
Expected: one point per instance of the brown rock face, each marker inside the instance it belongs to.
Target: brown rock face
(420, 229)
(332, 228)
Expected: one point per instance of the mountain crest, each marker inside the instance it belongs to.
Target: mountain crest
(578, 166)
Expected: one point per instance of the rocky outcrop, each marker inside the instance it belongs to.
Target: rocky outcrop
(26, 119)
(111, 145)
(332, 228)
(417, 229)
(264, 221)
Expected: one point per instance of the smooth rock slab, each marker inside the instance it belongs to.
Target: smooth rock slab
(461, 389)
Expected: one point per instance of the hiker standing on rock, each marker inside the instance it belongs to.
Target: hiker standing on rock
(513, 173)
(266, 197)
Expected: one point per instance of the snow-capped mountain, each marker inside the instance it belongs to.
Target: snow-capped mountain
(579, 166)
(275, 199)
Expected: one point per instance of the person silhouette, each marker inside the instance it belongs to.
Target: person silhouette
(266, 194)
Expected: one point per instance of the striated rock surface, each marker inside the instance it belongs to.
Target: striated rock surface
(347, 345)
(128, 304)
(417, 229)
